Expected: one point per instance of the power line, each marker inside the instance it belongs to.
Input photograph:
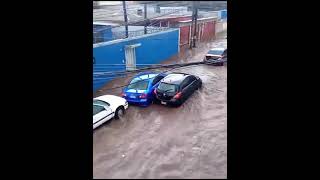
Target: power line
(137, 71)
(150, 4)
(151, 68)
(154, 22)
(141, 21)
(148, 68)
(122, 12)
(125, 85)
(181, 67)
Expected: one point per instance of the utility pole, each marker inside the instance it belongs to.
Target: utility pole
(195, 26)
(125, 17)
(145, 19)
(192, 24)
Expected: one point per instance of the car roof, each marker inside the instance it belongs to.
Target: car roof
(149, 72)
(106, 98)
(144, 73)
(146, 76)
(218, 49)
(175, 78)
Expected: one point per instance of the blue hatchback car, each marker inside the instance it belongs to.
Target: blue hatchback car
(140, 89)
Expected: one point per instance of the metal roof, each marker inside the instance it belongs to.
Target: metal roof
(105, 23)
(199, 19)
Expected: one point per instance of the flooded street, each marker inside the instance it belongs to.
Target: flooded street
(165, 142)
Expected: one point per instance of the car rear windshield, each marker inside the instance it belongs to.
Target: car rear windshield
(215, 52)
(97, 109)
(168, 87)
(99, 102)
(138, 84)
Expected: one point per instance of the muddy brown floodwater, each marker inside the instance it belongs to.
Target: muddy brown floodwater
(164, 142)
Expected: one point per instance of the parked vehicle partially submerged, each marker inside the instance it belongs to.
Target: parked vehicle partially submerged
(106, 107)
(176, 88)
(216, 56)
(140, 89)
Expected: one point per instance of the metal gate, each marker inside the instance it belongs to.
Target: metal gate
(130, 54)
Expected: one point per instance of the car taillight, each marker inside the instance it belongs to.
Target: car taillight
(143, 96)
(123, 94)
(155, 91)
(178, 95)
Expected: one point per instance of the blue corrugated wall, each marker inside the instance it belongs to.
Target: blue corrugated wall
(107, 35)
(223, 14)
(154, 49)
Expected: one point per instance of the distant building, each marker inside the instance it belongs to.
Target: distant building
(177, 10)
(101, 32)
(108, 3)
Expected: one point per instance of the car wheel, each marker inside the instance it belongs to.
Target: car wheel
(177, 104)
(156, 101)
(181, 101)
(119, 112)
(200, 85)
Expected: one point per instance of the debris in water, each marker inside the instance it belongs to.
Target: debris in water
(196, 148)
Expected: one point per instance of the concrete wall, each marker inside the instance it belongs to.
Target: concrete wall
(221, 26)
(154, 49)
(184, 35)
(206, 32)
(224, 25)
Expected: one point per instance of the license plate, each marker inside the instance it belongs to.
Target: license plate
(132, 97)
(165, 103)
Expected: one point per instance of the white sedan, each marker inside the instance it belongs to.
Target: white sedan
(106, 107)
(216, 53)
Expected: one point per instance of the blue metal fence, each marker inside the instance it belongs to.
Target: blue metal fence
(110, 56)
